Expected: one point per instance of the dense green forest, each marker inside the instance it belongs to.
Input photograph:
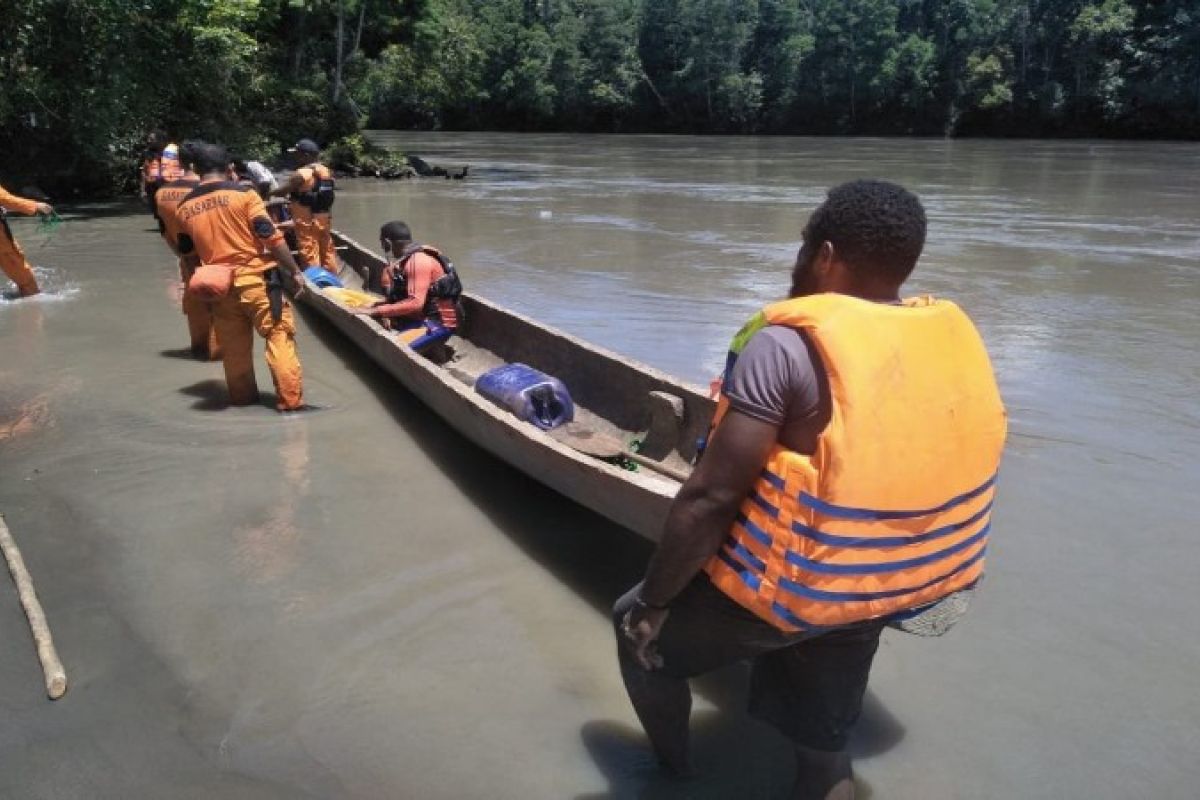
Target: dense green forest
(83, 80)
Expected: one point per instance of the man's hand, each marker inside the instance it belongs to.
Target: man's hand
(363, 310)
(641, 629)
(45, 209)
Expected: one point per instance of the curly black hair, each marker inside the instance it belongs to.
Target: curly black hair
(877, 227)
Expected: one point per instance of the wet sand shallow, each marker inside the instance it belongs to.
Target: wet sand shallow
(357, 603)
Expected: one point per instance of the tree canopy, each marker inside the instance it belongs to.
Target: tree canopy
(83, 80)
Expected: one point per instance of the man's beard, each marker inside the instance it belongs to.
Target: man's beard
(804, 282)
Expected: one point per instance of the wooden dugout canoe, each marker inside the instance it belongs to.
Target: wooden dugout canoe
(614, 397)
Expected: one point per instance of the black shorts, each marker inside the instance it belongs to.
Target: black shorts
(809, 687)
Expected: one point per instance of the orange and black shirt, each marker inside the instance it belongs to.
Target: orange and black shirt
(166, 201)
(226, 224)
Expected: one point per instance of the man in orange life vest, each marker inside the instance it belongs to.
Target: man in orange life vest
(160, 164)
(846, 486)
(421, 287)
(311, 189)
(227, 227)
(201, 332)
(12, 257)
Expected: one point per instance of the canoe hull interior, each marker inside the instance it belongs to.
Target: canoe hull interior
(613, 396)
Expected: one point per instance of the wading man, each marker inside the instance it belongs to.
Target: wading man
(202, 335)
(12, 257)
(846, 486)
(239, 248)
(311, 189)
(160, 164)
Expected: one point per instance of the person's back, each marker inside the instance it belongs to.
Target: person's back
(847, 485)
(220, 217)
(227, 227)
(166, 203)
(311, 190)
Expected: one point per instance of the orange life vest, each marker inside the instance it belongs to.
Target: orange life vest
(317, 190)
(893, 509)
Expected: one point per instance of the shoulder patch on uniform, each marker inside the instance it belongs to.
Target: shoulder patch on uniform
(263, 227)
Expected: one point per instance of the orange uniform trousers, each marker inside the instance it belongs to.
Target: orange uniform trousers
(246, 310)
(12, 261)
(201, 331)
(314, 239)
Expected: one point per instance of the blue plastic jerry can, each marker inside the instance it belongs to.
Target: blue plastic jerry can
(529, 394)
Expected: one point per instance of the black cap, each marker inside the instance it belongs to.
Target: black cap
(305, 146)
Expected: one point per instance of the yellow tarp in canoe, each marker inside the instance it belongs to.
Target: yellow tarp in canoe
(351, 297)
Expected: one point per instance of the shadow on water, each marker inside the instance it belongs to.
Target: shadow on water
(210, 393)
(181, 353)
(599, 560)
(123, 207)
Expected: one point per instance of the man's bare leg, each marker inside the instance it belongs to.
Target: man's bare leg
(821, 775)
(663, 705)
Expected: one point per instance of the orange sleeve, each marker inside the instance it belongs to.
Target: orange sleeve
(17, 205)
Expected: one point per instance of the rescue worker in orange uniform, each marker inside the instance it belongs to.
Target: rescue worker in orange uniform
(227, 227)
(160, 164)
(421, 288)
(201, 332)
(12, 257)
(311, 189)
(847, 485)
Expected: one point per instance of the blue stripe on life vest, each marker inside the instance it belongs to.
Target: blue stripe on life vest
(863, 597)
(848, 512)
(748, 577)
(753, 582)
(885, 566)
(772, 478)
(837, 540)
(787, 616)
(752, 529)
(762, 503)
(739, 550)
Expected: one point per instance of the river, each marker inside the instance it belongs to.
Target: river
(358, 603)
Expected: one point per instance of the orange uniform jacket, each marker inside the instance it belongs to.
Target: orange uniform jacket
(226, 224)
(167, 200)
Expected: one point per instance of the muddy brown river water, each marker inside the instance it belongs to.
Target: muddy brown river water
(359, 603)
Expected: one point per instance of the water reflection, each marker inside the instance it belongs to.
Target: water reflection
(267, 552)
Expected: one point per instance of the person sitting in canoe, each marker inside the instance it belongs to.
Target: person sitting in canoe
(421, 287)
